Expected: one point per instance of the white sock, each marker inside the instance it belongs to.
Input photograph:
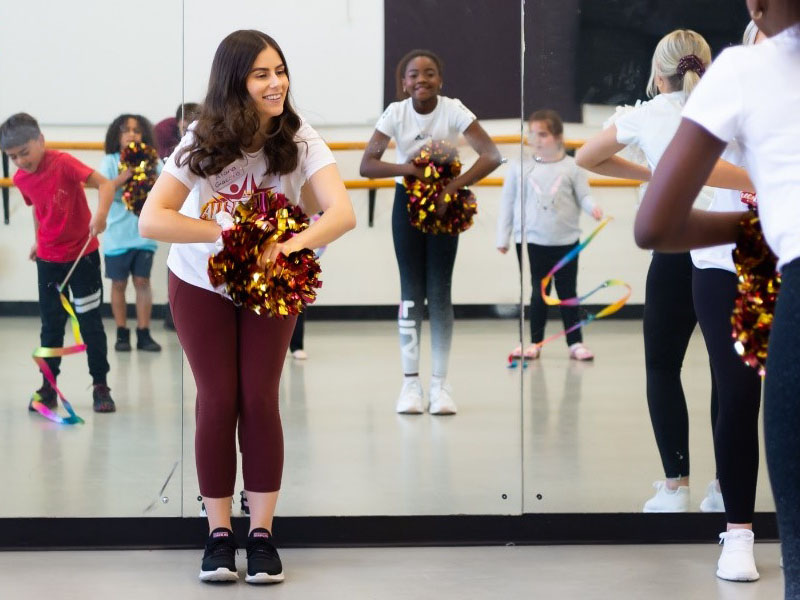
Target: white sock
(437, 381)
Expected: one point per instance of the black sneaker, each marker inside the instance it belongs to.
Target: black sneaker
(46, 395)
(123, 343)
(263, 563)
(102, 401)
(145, 342)
(219, 559)
(244, 504)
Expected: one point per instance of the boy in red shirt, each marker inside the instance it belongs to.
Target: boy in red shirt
(50, 181)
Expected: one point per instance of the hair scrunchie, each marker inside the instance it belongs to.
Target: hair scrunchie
(691, 62)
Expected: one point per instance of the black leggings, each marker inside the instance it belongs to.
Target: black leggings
(782, 422)
(425, 262)
(542, 259)
(738, 394)
(669, 320)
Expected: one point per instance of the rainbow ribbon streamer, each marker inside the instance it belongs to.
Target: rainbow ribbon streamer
(41, 353)
(608, 310)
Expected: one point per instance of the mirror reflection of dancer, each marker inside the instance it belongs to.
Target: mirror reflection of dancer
(247, 135)
(750, 95)
(555, 191)
(672, 309)
(425, 261)
(125, 253)
(52, 183)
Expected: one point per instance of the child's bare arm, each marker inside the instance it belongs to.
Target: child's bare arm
(105, 194)
(32, 253)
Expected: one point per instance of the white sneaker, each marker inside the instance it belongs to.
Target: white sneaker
(736, 563)
(300, 354)
(441, 400)
(666, 500)
(410, 400)
(713, 501)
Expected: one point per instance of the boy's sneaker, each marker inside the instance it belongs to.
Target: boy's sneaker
(101, 399)
(441, 400)
(244, 504)
(145, 342)
(578, 351)
(713, 501)
(736, 563)
(299, 354)
(46, 395)
(263, 563)
(666, 500)
(410, 400)
(123, 343)
(219, 559)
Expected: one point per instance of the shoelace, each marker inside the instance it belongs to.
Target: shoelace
(261, 548)
(219, 546)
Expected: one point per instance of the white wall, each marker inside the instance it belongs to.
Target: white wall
(84, 63)
(329, 45)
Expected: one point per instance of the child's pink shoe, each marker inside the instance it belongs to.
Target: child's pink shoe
(580, 352)
(531, 352)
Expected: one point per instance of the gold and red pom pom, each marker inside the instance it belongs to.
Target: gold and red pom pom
(142, 160)
(281, 289)
(759, 284)
(441, 165)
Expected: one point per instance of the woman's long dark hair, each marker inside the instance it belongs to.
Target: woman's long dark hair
(115, 129)
(228, 120)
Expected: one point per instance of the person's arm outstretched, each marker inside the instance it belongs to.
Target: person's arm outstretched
(666, 221)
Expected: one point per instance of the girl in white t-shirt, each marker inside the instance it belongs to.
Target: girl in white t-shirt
(680, 59)
(246, 137)
(751, 95)
(425, 261)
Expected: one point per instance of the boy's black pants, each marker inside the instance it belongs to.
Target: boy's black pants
(85, 287)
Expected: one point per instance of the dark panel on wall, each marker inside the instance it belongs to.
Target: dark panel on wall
(551, 41)
(617, 39)
(478, 40)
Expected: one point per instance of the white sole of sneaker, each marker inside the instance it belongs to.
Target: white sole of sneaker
(221, 574)
(443, 412)
(410, 411)
(264, 578)
(737, 576)
(650, 510)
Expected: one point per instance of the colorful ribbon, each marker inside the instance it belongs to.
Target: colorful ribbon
(41, 353)
(606, 311)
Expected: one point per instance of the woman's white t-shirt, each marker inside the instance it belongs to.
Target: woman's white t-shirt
(721, 257)
(412, 130)
(651, 126)
(752, 94)
(212, 194)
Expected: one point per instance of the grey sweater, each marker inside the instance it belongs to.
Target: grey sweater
(554, 194)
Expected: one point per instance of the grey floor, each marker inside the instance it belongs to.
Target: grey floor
(671, 572)
(579, 440)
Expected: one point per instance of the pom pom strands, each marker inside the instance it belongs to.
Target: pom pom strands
(283, 288)
(441, 165)
(608, 310)
(759, 284)
(142, 161)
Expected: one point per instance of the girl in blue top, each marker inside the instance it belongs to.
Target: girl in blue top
(126, 252)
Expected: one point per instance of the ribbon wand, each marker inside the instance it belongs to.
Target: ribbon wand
(41, 353)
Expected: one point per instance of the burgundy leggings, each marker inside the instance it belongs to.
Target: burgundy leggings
(236, 358)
